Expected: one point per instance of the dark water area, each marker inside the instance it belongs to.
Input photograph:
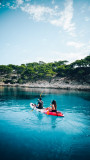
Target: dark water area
(31, 135)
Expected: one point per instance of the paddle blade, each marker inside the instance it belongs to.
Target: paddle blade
(31, 110)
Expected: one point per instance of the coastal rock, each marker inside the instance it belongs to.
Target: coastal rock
(58, 83)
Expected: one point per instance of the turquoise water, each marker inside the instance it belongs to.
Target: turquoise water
(31, 135)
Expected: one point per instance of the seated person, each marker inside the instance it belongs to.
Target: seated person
(53, 108)
(40, 104)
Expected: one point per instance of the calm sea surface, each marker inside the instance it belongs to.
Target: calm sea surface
(31, 135)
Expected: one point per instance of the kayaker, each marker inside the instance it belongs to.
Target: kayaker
(53, 108)
(40, 103)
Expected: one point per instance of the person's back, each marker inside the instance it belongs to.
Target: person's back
(40, 103)
(54, 106)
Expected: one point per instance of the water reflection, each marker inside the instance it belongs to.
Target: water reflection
(40, 116)
(31, 93)
(53, 122)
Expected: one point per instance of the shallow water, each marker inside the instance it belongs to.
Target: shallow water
(30, 135)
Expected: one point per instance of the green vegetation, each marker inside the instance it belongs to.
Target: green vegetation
(78, 70)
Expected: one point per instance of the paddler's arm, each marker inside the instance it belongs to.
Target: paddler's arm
(37, 105)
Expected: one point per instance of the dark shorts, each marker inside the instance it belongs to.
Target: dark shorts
(54, 110)
(39, 108)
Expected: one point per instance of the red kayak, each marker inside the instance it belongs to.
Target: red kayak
(46, 111)
(54, 113)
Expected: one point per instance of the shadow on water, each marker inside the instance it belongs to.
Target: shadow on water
(7, 93)
(32, 93)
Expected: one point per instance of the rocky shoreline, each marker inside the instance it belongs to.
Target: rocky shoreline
(57, 83)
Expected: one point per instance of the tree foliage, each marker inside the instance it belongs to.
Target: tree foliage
(41, 70)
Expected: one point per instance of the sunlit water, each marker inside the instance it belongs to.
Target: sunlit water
(31, 135)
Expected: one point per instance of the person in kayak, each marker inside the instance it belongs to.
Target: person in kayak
(40, 103)
(53, 107)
